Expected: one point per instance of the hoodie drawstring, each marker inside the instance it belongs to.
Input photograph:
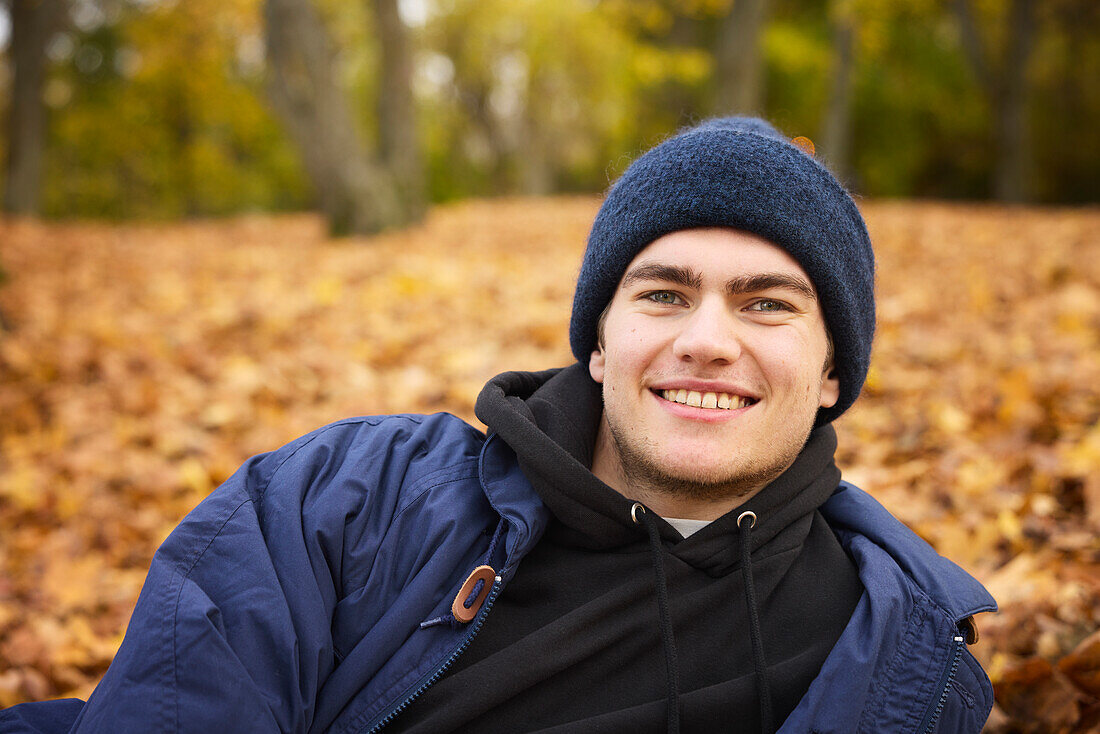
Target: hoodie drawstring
(762, 689)
(672, 670)
(640, 516)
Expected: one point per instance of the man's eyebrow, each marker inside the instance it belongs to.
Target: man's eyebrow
(679, 275)
(768, 281)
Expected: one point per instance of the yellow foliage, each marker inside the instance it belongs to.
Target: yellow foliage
(145, 363)
(327, 291)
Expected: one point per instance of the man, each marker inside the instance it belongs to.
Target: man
(654, 539)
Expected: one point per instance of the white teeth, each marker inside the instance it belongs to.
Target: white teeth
(720, 400)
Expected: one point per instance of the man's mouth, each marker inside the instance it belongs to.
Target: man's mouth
(715, 400)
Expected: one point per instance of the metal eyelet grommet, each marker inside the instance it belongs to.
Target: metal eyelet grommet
(634, 512)
(749, 514)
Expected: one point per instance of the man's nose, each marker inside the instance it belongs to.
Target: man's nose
(710, 333)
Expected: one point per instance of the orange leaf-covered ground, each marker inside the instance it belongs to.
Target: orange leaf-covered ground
(142, 363)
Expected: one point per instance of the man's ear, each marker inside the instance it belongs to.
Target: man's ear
(595, 365)
(830, 387)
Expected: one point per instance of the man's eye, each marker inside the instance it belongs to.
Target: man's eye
(768, 305)
(667, 297)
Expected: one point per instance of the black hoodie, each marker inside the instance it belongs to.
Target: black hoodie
(574, 643)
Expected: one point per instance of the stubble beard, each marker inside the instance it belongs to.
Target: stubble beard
(644, 475)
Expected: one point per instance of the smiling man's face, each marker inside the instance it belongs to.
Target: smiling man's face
(714, 361)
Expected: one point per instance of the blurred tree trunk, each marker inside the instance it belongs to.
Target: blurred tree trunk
(32, 24)
(534, 155)
(356, 194)
(1013, 169)
(689, 105)
(397, 125)
(738, 59)
(182, 124)
(836, 133)
(1005, 86)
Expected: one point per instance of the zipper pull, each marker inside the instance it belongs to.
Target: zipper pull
(472, 595)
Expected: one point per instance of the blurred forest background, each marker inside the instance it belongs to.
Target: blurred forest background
(369, 110)
(228, 222)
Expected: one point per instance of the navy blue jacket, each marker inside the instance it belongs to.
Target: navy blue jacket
(291, 598)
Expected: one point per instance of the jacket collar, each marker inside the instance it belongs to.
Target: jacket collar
(892, 663)
(851, 510)
(511, 495)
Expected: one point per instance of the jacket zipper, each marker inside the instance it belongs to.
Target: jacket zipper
(434, 676)
(948, 677)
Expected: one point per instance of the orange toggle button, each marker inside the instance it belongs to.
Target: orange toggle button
(467, 603)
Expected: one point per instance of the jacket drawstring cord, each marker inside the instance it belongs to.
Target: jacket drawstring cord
(497, 535)
(758, 662)
(672, 674)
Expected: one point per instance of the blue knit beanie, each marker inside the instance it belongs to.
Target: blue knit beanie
(739, 172)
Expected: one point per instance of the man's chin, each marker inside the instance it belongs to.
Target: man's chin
(697, 480)
(694, 470)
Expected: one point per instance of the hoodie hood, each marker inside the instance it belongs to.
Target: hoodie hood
(550, 420)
